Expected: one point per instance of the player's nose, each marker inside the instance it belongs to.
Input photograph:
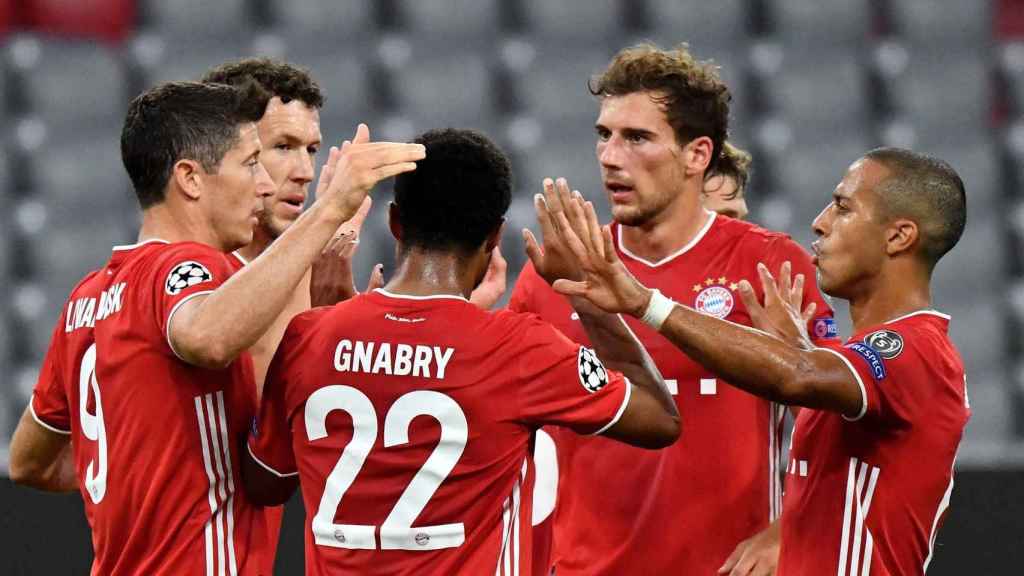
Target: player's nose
(306, 170)
(818, 226)
(264, 184)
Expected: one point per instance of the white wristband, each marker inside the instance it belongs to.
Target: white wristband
(658, 310)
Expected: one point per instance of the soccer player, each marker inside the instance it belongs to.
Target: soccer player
(408, 413)
(724, 187)
(147, 374)
(662, 125)
(871, 466)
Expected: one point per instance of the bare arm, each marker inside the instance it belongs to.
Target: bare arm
(41, 458)
(759, 363)
(651, 420)
(213, 330)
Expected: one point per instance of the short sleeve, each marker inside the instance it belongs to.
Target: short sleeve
(184, 272)
(523, 292)
(270, 441)
(566, 384)
(49, 404)
(888, 367)
(822, 327)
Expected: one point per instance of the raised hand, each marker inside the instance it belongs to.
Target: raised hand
(351, 172)
(490, 289)
(606, 282)
(780, 315)
(331, 280)
(552, 258)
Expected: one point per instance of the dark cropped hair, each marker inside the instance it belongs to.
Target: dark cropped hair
(286, 81)
(926, 190)
(457, 195)
(183, 120)
(695, 100)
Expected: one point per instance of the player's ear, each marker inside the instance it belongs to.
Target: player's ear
(900, 236)
(697, 155)
(494, 238)
(187, 177)
(394, 223)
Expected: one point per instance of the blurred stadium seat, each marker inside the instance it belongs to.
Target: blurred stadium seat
(947, 25)
(190, 20)
(322, 21)
(56, 80)
(833, 23)
(108, 20)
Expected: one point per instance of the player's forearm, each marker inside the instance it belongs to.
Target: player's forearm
(619, 349)
(41, 459)
(759, 363)
(236, 315)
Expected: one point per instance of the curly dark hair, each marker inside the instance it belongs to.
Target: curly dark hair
(458, 194)
(183, 120)
(695, 100)
(281, 79)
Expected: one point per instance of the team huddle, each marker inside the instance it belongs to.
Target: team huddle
(623, 415)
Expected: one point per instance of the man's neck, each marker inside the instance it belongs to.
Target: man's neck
(161, 222)
(888, 298)
(668, 232)
(260, 242)
(423, 273)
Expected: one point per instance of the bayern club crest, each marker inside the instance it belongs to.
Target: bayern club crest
(715, 301)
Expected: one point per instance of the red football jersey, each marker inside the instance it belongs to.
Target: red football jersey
(156, 440)
(867, 495)
(410, 420)
(681, 510)
(272, 515)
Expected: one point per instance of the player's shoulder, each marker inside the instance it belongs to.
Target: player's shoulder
(753, 235)
(520, 328)
(917, 342)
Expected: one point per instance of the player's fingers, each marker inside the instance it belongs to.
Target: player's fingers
(771, 291)
(785, 281)
(326, 172)
(385, 172)
(551, 200)
(733, 558)
(362, 134)
(796, 294)
(392, 153)
(576, 245)
(594, 229)
(570, 287)
(610, 255)
(376, 278)
(749, 299)
(498, 267)
(547, 227)
(564, 193)
(355, 223)
(809, 312)
(533, 250)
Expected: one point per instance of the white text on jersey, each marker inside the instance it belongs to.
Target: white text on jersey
(82, 312)
(397, 360)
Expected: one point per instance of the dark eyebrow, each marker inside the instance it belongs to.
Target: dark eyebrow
(633, 132)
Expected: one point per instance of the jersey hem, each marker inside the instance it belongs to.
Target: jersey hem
(171, 317)
(620, 411)
(860, 383)
(49, 427)
(268, 468)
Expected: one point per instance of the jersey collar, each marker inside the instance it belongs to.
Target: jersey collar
(138, 244)
(689, 245)
(430, 297)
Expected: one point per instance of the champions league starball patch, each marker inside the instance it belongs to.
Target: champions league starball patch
(185, 275)
(592, 374)
(887, 343)
(715, 301)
